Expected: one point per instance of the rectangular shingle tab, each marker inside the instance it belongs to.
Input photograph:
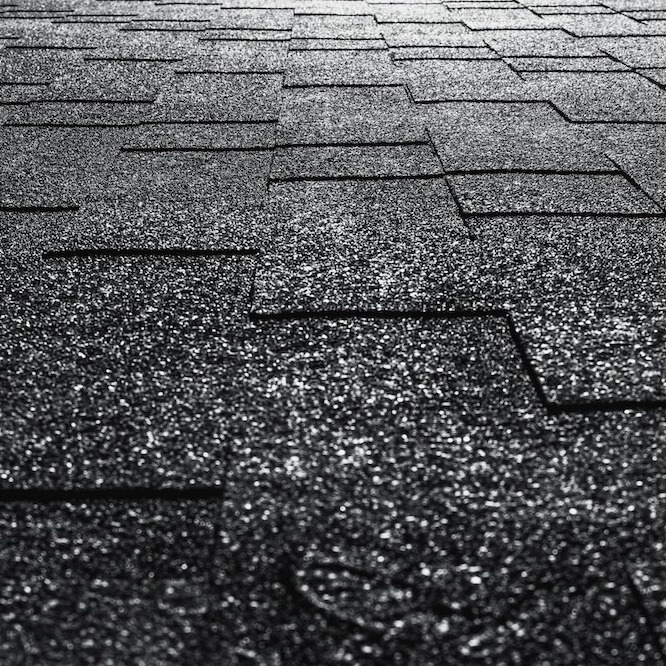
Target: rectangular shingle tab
(108, 336)
(355, 162)
(520, 193)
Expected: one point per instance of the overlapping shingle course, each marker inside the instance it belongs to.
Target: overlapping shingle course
(332, 332)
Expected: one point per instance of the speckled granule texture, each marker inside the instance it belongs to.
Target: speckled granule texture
(333, 332)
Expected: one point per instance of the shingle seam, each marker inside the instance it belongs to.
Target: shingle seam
(562, 214)
(635, 183)
(92, 100)
(39, 209)
(196, 149)
(537, 172)
(142, 123)
(352, 144)
(376, 178)
(304, 86)
(334, 50)
(23, 47)
(231, 72)
(130, 59)
(130, 493)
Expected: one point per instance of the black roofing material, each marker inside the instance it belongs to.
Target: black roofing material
(332, 331)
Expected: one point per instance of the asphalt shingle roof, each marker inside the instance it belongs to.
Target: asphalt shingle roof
(332, 332)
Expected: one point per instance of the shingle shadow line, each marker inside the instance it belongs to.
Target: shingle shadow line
(25, 47)
(130, 59)
(83, 100)
(230, 72)
(650, 79)
(218, 28)
(39, 209)
(166, 20)
(334, 50)
(250, 8)
(353, 144)
(270, 121)
(74, 125)
(654, 123)
(100, 15)
(567, 214)
(130, 493)
(337, 39)
(564, 70)
(438, 46)
(91, 22)
(93, 253)
(447, 59)
(541, 56)
(48, 12)
(611, 405)
(618, 35)
(170, 30)
(576, 14)
(25, 83)
(375, 178)
(332, 14)
(195, 149)
(225, 7)
(389, 22)
(635, 183)
(146, 123)
(343, 314)
(517, 29)
(302, 86)
(244, 39)
(538, 172)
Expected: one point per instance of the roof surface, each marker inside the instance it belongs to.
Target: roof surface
(333, 332)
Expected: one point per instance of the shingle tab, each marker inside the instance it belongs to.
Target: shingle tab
(521, 193)
(115, 385)
(355, 162)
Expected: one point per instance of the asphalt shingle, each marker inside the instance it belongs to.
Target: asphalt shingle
(407, 160)
(353, 506)
(348, 115)
(534, 194)
(343, 68)
(120, 378)
(492, 80)
(72, 574)
(54, 167)
(207, 97)
(601, 96)
(533, 137)
(332, 332)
